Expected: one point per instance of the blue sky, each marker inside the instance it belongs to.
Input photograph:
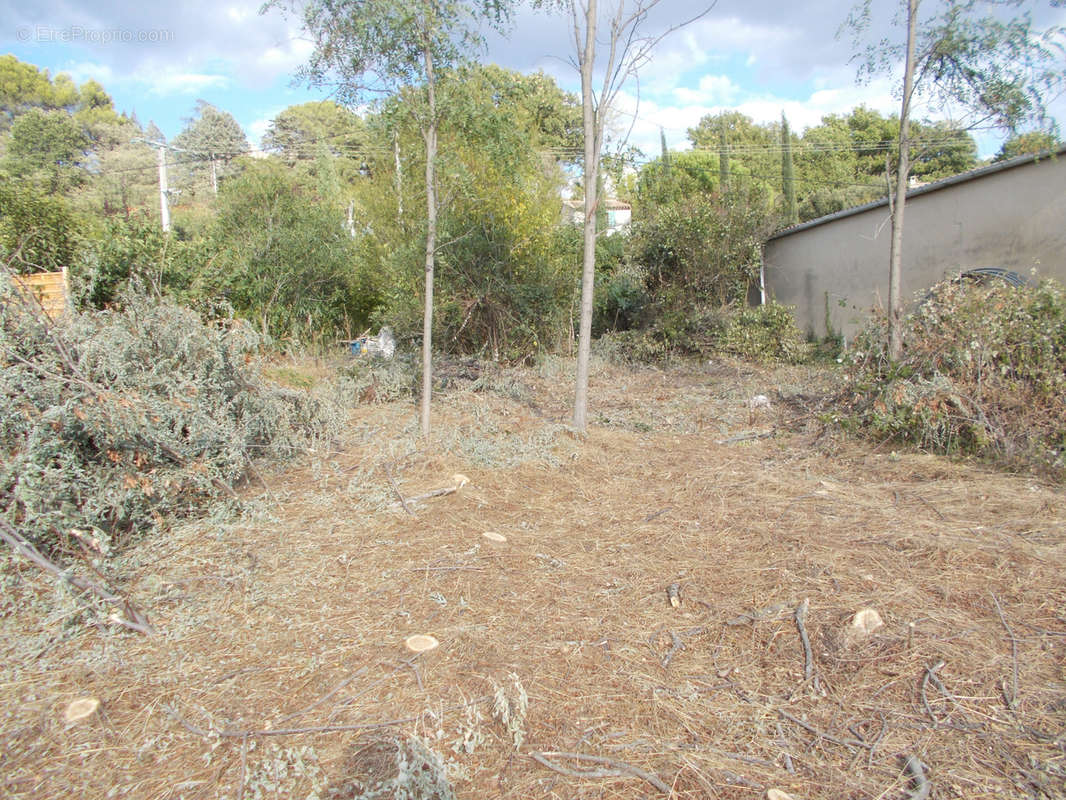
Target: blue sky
(760, 57)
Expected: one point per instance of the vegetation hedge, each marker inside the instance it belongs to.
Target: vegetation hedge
(983, 373)
(112, 420)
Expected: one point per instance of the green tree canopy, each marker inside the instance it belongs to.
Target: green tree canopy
(47, 147)
(282, 255)
(38, 231)
(300, 132)
(752, 149)
(209, 143)
(23, 86)
(1032, 142)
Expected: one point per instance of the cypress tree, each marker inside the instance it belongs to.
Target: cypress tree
(788, 180)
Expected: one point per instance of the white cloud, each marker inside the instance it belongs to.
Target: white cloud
(187, 83)
(257, 128)
(712, 90)
(82, 71)
(284, 58)
(155, 80)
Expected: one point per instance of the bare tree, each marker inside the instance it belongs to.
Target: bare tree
(626, 50)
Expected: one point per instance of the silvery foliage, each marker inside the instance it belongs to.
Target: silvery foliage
(110, 421)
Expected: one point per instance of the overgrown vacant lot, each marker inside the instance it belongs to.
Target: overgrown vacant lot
(279, 669)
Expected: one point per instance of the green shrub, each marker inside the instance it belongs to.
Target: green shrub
(765, 333)
(620, 299)
(704, 249)
(983, 373)
(38, 231)
(112, 420)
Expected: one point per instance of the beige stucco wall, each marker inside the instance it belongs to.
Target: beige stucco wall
(1013, 217)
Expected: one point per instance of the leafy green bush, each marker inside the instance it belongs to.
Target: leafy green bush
(38, 231)
(283, 257)
(983, 372)
(704, 249)
(112, 420)
(123, 249)
(765, 333)
(620, 299)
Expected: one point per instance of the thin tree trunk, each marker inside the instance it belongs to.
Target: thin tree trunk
(895, 259)
(399, 177)
(591, 182)
(431, 240)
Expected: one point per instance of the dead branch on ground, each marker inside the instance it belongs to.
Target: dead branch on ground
(612, 768)
(808, 654)
(848, 743)
(1012, 701)
(922, 787)
(134, 619)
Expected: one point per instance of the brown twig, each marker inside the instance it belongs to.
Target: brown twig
(808, 655)
(658, 513)
(395, 488)
(418, 498)
(928, 675)
(614, 769)
(877, 741)
(1012, 701)
(849, 743)
(244, 768)
(324, 697)
(134, 620)
(757, 615)
(783, 744)
(922, 787)
(676, 646)
(746, 437)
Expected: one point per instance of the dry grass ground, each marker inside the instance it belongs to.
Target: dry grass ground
(280, 661)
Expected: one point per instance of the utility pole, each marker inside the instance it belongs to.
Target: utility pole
(164, 205)
(164, 191)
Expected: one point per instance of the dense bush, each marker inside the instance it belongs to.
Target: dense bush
(983, 372)
(38, 231)
(282, 256)
(704, 249)
(621, 296)
(766, 333)
(111, 420)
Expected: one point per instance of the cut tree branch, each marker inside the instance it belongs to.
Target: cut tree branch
(611, 768)
(134, 620)
(1012, 701)
(922, 787)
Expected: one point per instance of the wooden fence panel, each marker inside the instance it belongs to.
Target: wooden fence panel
(51, 290)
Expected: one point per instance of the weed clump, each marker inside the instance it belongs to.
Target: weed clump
(111, 421)
(983, 373)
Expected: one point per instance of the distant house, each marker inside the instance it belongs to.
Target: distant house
(1010, 215)
(619, 214)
